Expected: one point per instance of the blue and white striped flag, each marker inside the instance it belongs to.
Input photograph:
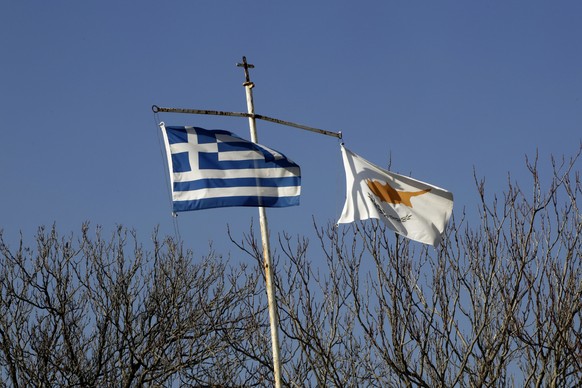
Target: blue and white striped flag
(216, 168)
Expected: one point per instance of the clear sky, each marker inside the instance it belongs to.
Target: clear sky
(440, 88)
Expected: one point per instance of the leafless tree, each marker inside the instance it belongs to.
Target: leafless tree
(99, 312)
(498, 303)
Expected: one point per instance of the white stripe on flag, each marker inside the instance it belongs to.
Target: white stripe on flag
(242, 173)
(236, 191)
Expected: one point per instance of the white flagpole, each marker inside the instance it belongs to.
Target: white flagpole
(267, 262)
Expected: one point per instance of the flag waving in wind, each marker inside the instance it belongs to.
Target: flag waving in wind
(216, 168)
(414, 209)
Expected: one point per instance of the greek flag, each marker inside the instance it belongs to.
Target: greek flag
(216, 168)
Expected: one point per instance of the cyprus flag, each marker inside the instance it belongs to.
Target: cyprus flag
(414, 209)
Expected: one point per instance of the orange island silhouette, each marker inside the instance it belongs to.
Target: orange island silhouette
(388, 194)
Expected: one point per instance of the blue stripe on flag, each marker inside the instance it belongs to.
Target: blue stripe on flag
(236, 182)
(207, 136)
(245, 146)
(210, 161)
(209, 203)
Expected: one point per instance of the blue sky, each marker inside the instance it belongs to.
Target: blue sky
(438, 87)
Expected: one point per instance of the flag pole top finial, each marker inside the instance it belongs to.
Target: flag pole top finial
(246, 66)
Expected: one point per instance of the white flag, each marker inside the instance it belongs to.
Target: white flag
(414, 209)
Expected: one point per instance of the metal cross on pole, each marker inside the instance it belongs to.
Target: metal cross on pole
(246, 67)
(267, 261)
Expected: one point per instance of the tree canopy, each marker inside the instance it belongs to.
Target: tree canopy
(497, 304)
